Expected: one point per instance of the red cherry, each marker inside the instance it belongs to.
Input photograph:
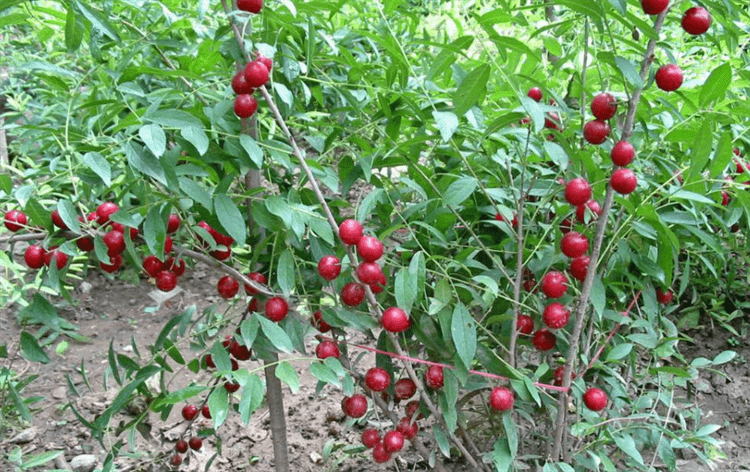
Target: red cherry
(256, 74)
(115, 242)
(654, 7)
(195, 443)
(395, 320)
(327, 349)
(579, 267)
(85, 244)
(408, 428)
(352, 294)
(554, 284)
(544, 340)
(329, 267)
(181, 446)
(556, 316)
(227, 287)
(369, 272)
(166, 280)
(393, 441)
(231, 387)
(377, 379)
(595, 399)
(604, 106)
(240, 85)
(205, 411)
(178, 267)
(355, 406)
(535, 93)
(594, 211)
(596, 131)
(254, 306)
(565, 226)
(60, 258)
(276, 309)
(34, 256)
(173, 224)
(103, 212)
(15, 220)
(189, 412)
(121, 228)
(623, 181)
(724, 197)
(176, 460)
(57, 220)
(379, 454)
(525, 324)
(350, 232)
(502, 398)
(318, 322)
(574, 244)
(209, 361)
(252, 6)
(245, 106)
(412, 408)
(239, 351)
(115, 262)
(577, 191)
(379, 286)
(370, 437)
(622, 153)
(696, 20)
(433, 377)
(255, 277)
(552, 121)
(664, 297)
(559, 374)
(669, 77)
(369, 248)
(404, 389)
(267, 61)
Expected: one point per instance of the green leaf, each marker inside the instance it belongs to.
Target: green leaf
(286, 373)
(174, 119)
(178, 396)
(154, 138)
(722, 155)
(73, 30)
(627, 445)
(701, 149)
(715, 86)
(458, 191)
(196, 192)
(284, 94)
(197, 137)
(113, 362)
(472, 90)
(31, 349)
(155, 232)
(324, 373)
(447, 56)
(254, 152)
(252, 397)
(230, 218)
(406, 289)
(501, 455)
(447, 123)
(39, 459)
(598, 296)
(218, 404)
(629, 71)
(98, 21)
(275, 334)
(69, 215)
(464, 333)
(99, 165)
(285, 272)
(619, 351)
(511, 432)
(619, 5)
(724, 357)
(442, 440)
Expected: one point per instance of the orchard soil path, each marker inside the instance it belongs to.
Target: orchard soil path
(114, 311)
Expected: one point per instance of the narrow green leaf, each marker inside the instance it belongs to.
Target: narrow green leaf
(98, 21)
(155, 232)
(218, 404)
(99, 165)
(406, 289)
(324, 373)
(196, 192)
(39, 459)
(448, 55)
(627, 445)
(701, 149)
(197, 137)
(113, 363)
(629, 71)
(275, 334)
(174, 119)
(501, 455)
(619, 5)
(447, 124)
(715, 86)
(464, 333)
(285, 272)
(286, 373)
(472, 90)
(458, 191)
(619, 351)
(723, 357)
(230, 218)
(73, 30)
(254, 152)
(31, 349)
(69, 215)
(252, 397)
(154, 138)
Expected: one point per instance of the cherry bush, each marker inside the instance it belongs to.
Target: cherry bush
(523, 203)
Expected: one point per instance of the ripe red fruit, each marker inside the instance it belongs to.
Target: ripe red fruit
(189, 412)
(85, 244)
(579, 267)
(227, 287)
(276, 309)
(369, 248)
(566, 225)
(121, 228)
(595, 210)
(404, 389)
(350, 232)
(34, 256)
(205, 411)
(724, 197)
(502, 398)
(355, 406)
(604, 106)
(195, 443)
(552, 121)
(369, 272)
(379, 286)
(393, 441)
(379, 454)
(327, 349)
(178, 267)
(254, 306)
(525, 324)
(176, 460)
(240, 85)
(623, 181)
(696, 20)
(654, 7)
(329, 267)
(252, 6)
(181, 446)
(245, 106)
(166, 280)
(115, 262)
(103, 212)
(377, 379)
(256, 74)
(433, 377)
(669, 77)
(577, 191)
(370, 437)
(596, 131)
(595, 399)
(267, 61)
(60, 258)
(352, 294)
(209, 361)
(412, 408)
(556, 315)
(231, 387)
(255, 277)
(554, 284)
(239, 351)
(395, 320)
(408, 428)
(535, 93)
(57, 220)
(115, 242)
(664, 297)
(173, 223)
(318, 322)
(574, 244)
(15, 220)
(559, 374)
(544, 340)
(622, 153)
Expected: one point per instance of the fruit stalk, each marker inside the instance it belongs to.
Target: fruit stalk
(588, 282)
